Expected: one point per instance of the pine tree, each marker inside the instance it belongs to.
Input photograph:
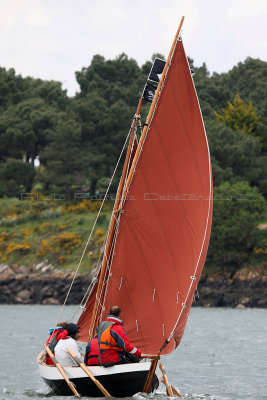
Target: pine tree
(240, 116)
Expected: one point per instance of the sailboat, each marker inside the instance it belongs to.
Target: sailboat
(158, 234)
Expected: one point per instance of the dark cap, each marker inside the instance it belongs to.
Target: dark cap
(72, 328)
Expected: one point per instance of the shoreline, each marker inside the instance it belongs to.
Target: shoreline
(51, 286)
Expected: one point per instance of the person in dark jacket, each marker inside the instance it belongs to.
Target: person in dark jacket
(113, 341)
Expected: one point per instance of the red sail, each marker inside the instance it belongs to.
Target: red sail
(164, 228)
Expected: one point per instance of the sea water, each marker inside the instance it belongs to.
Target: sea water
(223, 354)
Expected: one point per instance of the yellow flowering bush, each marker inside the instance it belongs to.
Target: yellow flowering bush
(83, 206)
(261, 250)
(6, 236)
(61, 227)
(100, 236)
(66, 242)
(12, 217)
(45, 248)
(21, 248)
(25, 232)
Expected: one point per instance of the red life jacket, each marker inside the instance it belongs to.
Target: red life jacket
(92, 357)
(57, 334)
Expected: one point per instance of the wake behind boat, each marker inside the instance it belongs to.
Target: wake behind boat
(158, 235)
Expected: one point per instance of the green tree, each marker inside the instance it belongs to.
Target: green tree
(62, 160)
(239, 116)
(16, 177)
(238, 209)
(110, 90)
(24, 129)
(236, 156)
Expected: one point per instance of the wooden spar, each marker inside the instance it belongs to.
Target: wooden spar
(61, 370)
(149, 116)
(170, 389)
(151, 374)
(111, 232)
(143, 356)
(89, 373)
(165, 381)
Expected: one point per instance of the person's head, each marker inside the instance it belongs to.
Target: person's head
(115, 310)
(63, 325)
(73, 331)
(60, 326)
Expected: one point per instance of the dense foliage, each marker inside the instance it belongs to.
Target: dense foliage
(57, 144)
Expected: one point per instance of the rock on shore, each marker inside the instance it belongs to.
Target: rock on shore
(46, 285)
(239, 291)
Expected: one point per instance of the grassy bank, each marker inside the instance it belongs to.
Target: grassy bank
(55, 232)
(41, 229)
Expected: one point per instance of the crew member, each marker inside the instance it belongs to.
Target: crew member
(70, 342)
(55, 334)
(92, 353)
(113, 341)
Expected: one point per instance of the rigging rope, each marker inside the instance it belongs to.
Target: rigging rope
(89, 289)
(96, 219)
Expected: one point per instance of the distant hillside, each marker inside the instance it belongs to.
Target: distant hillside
(56, 145)
(50, 232)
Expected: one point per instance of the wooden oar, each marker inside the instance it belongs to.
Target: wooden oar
(86, 370)
(61, 370)
(170, 389)
(165, 381)
(176, 392)
(151, 374)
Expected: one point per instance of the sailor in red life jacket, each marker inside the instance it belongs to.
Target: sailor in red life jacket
(92, 353)
(113, 341)
(55, 334)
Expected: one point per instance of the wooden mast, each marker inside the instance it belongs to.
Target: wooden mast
(111, 232)
(149, 116)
